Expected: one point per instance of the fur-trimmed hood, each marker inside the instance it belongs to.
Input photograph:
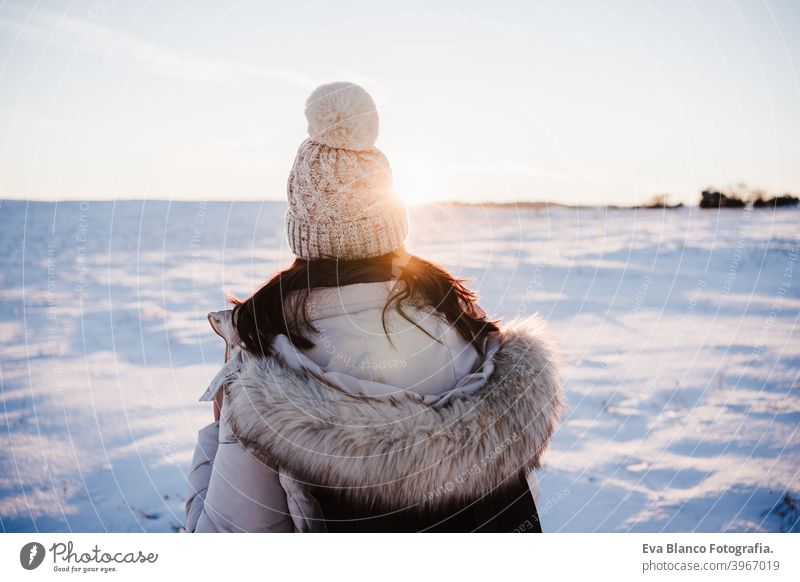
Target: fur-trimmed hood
(400, 451)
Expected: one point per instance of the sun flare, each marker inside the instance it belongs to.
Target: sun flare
(418, 177)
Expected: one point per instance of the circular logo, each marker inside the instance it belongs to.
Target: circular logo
(31, 555)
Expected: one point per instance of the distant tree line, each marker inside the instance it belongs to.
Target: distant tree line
(711, 198)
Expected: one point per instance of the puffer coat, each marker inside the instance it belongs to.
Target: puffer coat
(415, 431)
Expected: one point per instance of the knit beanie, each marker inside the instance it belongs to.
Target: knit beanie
(342, 203)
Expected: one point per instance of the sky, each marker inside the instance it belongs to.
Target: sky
(574, 102)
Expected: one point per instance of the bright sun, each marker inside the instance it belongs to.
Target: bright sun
(418, 178)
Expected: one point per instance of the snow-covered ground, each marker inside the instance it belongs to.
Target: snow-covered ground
(678, 329)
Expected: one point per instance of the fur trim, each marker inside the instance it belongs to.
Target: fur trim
(401, 452)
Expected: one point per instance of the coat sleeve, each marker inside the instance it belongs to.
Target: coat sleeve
(229, 489)
(200, 474)
(232, 491)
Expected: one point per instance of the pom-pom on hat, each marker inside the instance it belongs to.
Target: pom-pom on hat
(342, 115)
(342, 202)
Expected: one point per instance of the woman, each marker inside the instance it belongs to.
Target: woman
(364, 388)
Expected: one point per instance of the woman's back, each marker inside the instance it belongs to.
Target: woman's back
(292, 453)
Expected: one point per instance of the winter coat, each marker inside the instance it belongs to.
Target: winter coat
(367, 433)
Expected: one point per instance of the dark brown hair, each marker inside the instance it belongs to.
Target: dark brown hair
(267, 312)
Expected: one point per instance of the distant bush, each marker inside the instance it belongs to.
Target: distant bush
(659, 201)
(712, 199)
(776, 201)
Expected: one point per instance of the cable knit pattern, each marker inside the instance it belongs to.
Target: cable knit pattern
(342, 202)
